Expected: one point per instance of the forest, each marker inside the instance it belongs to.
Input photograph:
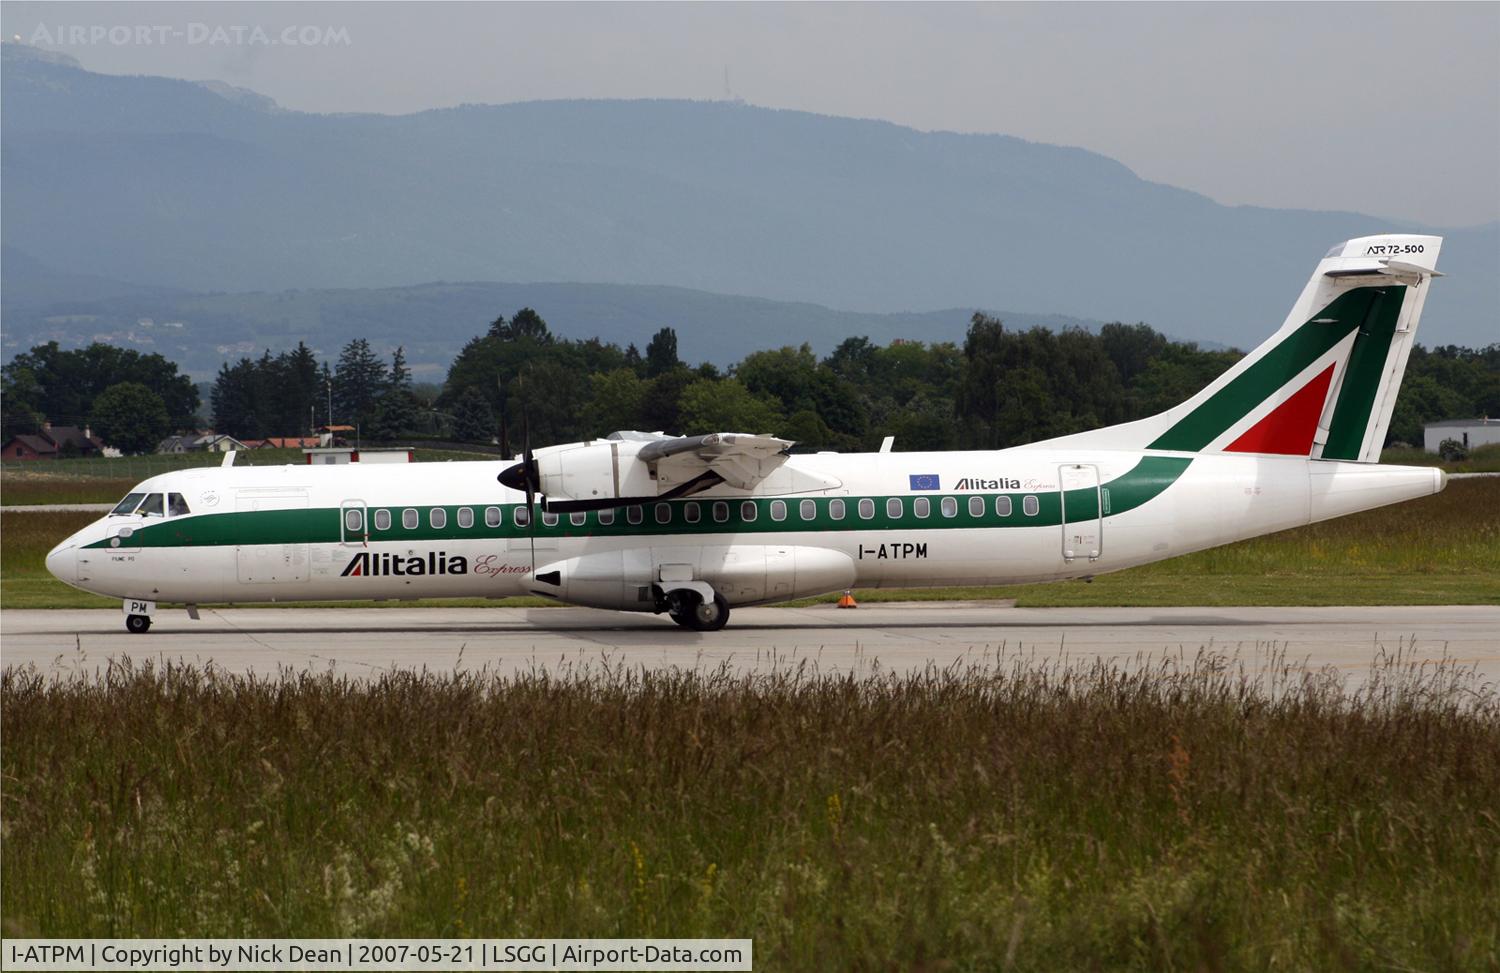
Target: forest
(1000, 387)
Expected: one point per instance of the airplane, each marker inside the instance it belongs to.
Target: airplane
(694, 526)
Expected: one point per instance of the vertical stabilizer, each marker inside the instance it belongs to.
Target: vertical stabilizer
(1324, 385)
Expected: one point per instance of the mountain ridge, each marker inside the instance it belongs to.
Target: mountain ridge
(433, 320)
(867, 215)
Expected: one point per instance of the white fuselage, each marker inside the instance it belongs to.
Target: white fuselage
(430, 530)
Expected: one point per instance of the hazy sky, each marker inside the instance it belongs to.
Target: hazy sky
(1388, 109)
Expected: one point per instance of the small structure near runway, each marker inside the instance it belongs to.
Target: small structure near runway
(1470, 433)
(338, 455)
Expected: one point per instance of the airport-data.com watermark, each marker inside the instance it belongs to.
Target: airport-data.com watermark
(205, 35)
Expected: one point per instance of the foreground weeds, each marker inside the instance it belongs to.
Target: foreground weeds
(1197, 815)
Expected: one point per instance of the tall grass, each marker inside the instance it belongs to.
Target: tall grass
(1197, 815)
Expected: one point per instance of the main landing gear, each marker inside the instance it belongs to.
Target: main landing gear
(691, 610)
(137, 624)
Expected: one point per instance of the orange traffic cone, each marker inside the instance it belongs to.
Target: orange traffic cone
(847, 600)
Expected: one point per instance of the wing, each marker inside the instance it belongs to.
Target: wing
(633, 468)
(735, 458)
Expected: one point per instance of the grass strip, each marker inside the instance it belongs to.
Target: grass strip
(1200, 814)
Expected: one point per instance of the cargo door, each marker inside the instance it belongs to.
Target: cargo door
(285, 558)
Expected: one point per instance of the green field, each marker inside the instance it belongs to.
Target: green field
(100, 480)
(1482, 459)
(1440, 550)
(1021, 818)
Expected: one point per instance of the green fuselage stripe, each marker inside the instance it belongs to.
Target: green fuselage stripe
(1277, 367)
(1146, 480)
(1351, 415)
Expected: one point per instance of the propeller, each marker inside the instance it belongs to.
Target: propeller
(526, 476)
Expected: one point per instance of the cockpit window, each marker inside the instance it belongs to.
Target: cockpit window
(152, 506)
(177, 506)
(128, 505)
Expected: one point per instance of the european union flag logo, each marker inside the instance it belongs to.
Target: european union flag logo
(925, 481)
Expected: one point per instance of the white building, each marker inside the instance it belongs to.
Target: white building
(339, 455)
(1470, 432)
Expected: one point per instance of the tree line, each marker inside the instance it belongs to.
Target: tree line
(997, 388)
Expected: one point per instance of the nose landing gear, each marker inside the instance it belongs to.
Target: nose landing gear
(138, 614)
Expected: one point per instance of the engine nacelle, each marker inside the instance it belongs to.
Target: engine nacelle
(598, 470)
(632, 579)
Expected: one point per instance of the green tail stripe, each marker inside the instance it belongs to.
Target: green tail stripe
(1351, 415)
(1145, 481)
(1261, 380)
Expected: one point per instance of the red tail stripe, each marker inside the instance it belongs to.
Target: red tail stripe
(1289, 428)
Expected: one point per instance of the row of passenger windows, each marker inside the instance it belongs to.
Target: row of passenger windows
(692, 513)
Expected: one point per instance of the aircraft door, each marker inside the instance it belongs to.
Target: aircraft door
(354, 525)
(262, 563)
(1082, 523)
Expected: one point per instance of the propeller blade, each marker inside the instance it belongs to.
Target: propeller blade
(528, 463)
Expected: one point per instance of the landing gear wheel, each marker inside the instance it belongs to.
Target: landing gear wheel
(700, 615)
(137, 624)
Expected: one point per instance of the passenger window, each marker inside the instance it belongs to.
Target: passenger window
(549, 519)
(176, 505)
(778, 510)
(438, 518)
(921, 506)
(128, 505)
(836, 509)
(492, 516)
(893, 508)
(949, 507)
(976, 506)
(808, 509)
(1030, 505)
(578, 518)
(1002, 506)
(354, 521)
(634, 515)
(748, 513)
(466, 517)
(664, 513)
(152, 506)
(866, 509)
(382, 520)
(721, 511)
(409, 518)
(522, 516)
(691, 513)
(606, 517)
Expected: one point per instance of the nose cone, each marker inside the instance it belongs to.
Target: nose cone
(1440, 481)
(62, 562)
